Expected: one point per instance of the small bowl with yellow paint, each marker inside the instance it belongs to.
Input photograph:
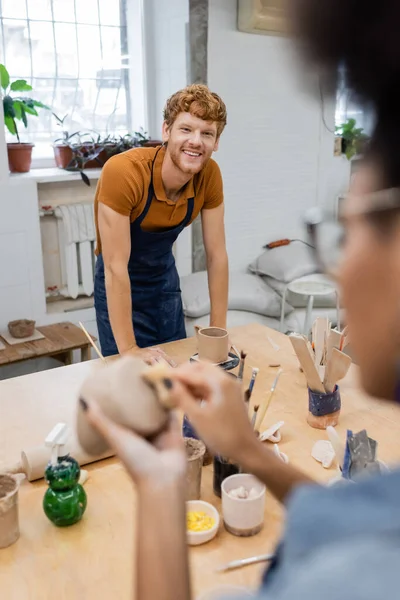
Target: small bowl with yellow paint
(202, 522)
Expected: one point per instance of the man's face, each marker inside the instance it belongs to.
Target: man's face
(191, 141)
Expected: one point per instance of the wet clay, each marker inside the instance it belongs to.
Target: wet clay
(125, 397)
(9, 525)
(195, 450)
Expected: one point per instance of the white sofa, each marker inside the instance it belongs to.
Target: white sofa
(256, 296)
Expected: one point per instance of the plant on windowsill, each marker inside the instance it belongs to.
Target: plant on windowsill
(16, 108)
(353, 140)
(87, 150)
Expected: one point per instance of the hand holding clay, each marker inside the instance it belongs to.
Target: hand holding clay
(150, 356)
(221, 420)
(163, 460)
(130, 394)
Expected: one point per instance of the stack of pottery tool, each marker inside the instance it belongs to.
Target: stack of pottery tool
(323, 364)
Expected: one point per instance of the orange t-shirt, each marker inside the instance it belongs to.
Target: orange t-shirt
(124, 184)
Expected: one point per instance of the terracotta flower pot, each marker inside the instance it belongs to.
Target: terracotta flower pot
(62, 155)
(19, 157)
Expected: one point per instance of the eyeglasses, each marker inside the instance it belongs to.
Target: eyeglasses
(327, 232)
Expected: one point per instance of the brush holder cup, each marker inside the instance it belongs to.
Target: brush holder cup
(323, 409)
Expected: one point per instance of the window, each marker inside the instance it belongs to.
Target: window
(347, 107)
(74, 54)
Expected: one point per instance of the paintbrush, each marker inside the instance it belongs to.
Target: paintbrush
(241, 368)
(89, 337)
(254, 417)
(254, 374)
(265, 407)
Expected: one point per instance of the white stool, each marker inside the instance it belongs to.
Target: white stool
(311, 286)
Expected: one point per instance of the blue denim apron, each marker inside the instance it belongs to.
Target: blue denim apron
(157, 312)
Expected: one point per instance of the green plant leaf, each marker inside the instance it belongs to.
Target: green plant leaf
(85, 178)
(8, 106)
(30, 110)
(17, 109)
(23, 116)
(4, 78)
(21, 85)
(9, 123)
(40, 105)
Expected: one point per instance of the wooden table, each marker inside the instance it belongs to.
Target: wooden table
(93, 559)
(60, 340)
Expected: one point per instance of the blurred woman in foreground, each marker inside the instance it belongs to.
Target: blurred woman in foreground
(339, 542)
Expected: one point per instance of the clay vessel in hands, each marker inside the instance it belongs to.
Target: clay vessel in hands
(121, 391)
(212, 344)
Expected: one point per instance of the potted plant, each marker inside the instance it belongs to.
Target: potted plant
(16, 108)
(353, 140)
(62, 151)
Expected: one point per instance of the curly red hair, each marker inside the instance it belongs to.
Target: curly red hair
(200, 102)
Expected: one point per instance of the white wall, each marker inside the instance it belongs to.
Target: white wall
(276, 156)
(166, 55)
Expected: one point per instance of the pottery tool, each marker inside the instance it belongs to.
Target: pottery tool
(306, 362)
(334, 341)
(272, 434)
(34, 460)
(320, 331)
(254, 417)
(254, 374)
(56, 440)
(241, 367)
(337, 368)
(89, 337)
(236, 351)
(284, 457)
(337, 445)
(236, 564)
(273, 344)
(265, 406)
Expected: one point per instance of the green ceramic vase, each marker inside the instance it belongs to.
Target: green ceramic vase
(65, 500)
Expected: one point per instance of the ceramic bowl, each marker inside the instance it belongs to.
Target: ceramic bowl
(195, 538)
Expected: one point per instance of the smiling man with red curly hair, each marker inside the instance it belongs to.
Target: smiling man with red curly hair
(144, 199)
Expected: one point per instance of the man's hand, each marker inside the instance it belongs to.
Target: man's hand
(150, 356)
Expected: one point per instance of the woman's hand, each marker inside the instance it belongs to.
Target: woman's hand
(221, 419)
(151, 356)
(161, 461)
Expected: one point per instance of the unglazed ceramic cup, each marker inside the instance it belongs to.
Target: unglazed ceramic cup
(213, 344)
(243, 517)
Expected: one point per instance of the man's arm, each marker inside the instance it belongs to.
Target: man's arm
(116, 247)
(217, 263)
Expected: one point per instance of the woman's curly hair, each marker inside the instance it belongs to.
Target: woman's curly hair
(362, 38)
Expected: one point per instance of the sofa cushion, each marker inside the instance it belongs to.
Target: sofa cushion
(285, 263)
(247, 292)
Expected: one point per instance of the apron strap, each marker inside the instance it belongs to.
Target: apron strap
(150, 195)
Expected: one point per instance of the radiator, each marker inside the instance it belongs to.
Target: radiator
(76, 238)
